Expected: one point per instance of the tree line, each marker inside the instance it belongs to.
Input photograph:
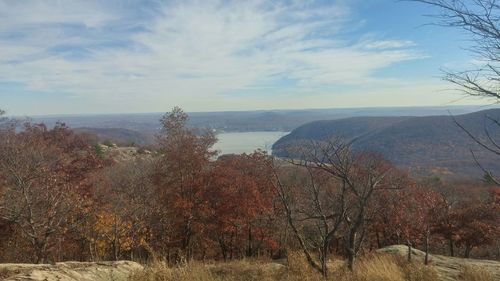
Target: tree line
(61, 198)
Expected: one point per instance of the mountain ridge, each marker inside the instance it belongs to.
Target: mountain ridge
(422, 144)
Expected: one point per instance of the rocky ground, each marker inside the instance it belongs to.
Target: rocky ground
(69, 271)
(448, 267)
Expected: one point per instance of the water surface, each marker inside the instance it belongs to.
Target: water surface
(246, 142)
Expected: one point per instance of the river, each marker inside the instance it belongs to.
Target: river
(246, 142)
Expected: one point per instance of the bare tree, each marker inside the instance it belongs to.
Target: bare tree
(314, 208)
(3, 120)
(480, 19)
(356, 177)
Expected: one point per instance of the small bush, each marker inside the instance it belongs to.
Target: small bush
(475, 273)
(108, 143)
(99, 151)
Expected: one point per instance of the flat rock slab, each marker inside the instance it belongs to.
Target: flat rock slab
(69, 271)
(448, 268)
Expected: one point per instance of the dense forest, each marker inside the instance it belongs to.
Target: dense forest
(64, 197)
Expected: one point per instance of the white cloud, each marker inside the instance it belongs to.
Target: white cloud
(389, 44)
(22, 13)
(183, 50)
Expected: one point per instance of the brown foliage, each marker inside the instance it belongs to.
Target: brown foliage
(44, 176)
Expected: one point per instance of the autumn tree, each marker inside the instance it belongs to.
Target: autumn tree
(123, 203)
(240, 204)
(447, 226)
(407, 215)
(181, 177)
(478, 224)
(44, 178)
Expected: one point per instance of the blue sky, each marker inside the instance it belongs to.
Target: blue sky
(120, 56)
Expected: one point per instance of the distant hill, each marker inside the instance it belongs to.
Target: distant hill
(140, 128)
(243, 121)
(117, 135)
(430, 145)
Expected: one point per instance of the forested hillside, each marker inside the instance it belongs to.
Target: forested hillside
(430, 145)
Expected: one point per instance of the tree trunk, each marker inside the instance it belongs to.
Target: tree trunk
(92, 257)
(468, 249)
(186, 241)
(231, 247)
(351, 250)
(115, 249)
(408, 243)
(452, 249)
(323, 259)
(426, 259)
(250, 238)
(39, 254)
(223, 248)
(350, 262)
(115, 239)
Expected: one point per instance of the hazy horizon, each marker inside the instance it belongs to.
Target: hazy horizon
(469, 107)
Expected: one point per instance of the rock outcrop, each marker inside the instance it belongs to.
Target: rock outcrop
(69, 271)
(448, 267)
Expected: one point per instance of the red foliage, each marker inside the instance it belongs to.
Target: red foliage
(240, 202)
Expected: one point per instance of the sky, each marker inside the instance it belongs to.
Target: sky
(125, 56)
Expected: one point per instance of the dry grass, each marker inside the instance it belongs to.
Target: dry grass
(298, 269)
(417, 271)
(475, 273)
(159, 271)
(243, 270)
(382, 268)
(379, 267)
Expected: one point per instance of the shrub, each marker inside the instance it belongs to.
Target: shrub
(108, 143)
(99, 151)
